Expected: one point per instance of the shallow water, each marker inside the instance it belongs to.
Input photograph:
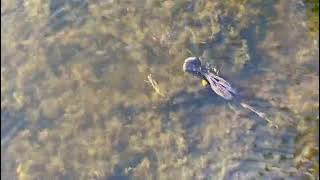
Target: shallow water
(74, 83)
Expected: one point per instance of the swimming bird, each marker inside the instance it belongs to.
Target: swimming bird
(219, 85)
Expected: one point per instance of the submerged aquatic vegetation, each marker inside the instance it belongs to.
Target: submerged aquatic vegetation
(313, 16)
(241, 56)
(91, 115)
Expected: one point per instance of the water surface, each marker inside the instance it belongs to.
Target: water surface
(75, 103)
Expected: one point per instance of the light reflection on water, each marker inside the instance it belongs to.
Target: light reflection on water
(75, 71)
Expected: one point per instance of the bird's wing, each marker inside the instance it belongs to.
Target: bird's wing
(218, 87)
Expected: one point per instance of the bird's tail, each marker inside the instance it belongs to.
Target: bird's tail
(259, 113)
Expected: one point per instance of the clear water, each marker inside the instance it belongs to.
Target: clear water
(76, 102)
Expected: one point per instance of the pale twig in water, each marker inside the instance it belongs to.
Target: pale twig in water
(189, 51)
(154, 85)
